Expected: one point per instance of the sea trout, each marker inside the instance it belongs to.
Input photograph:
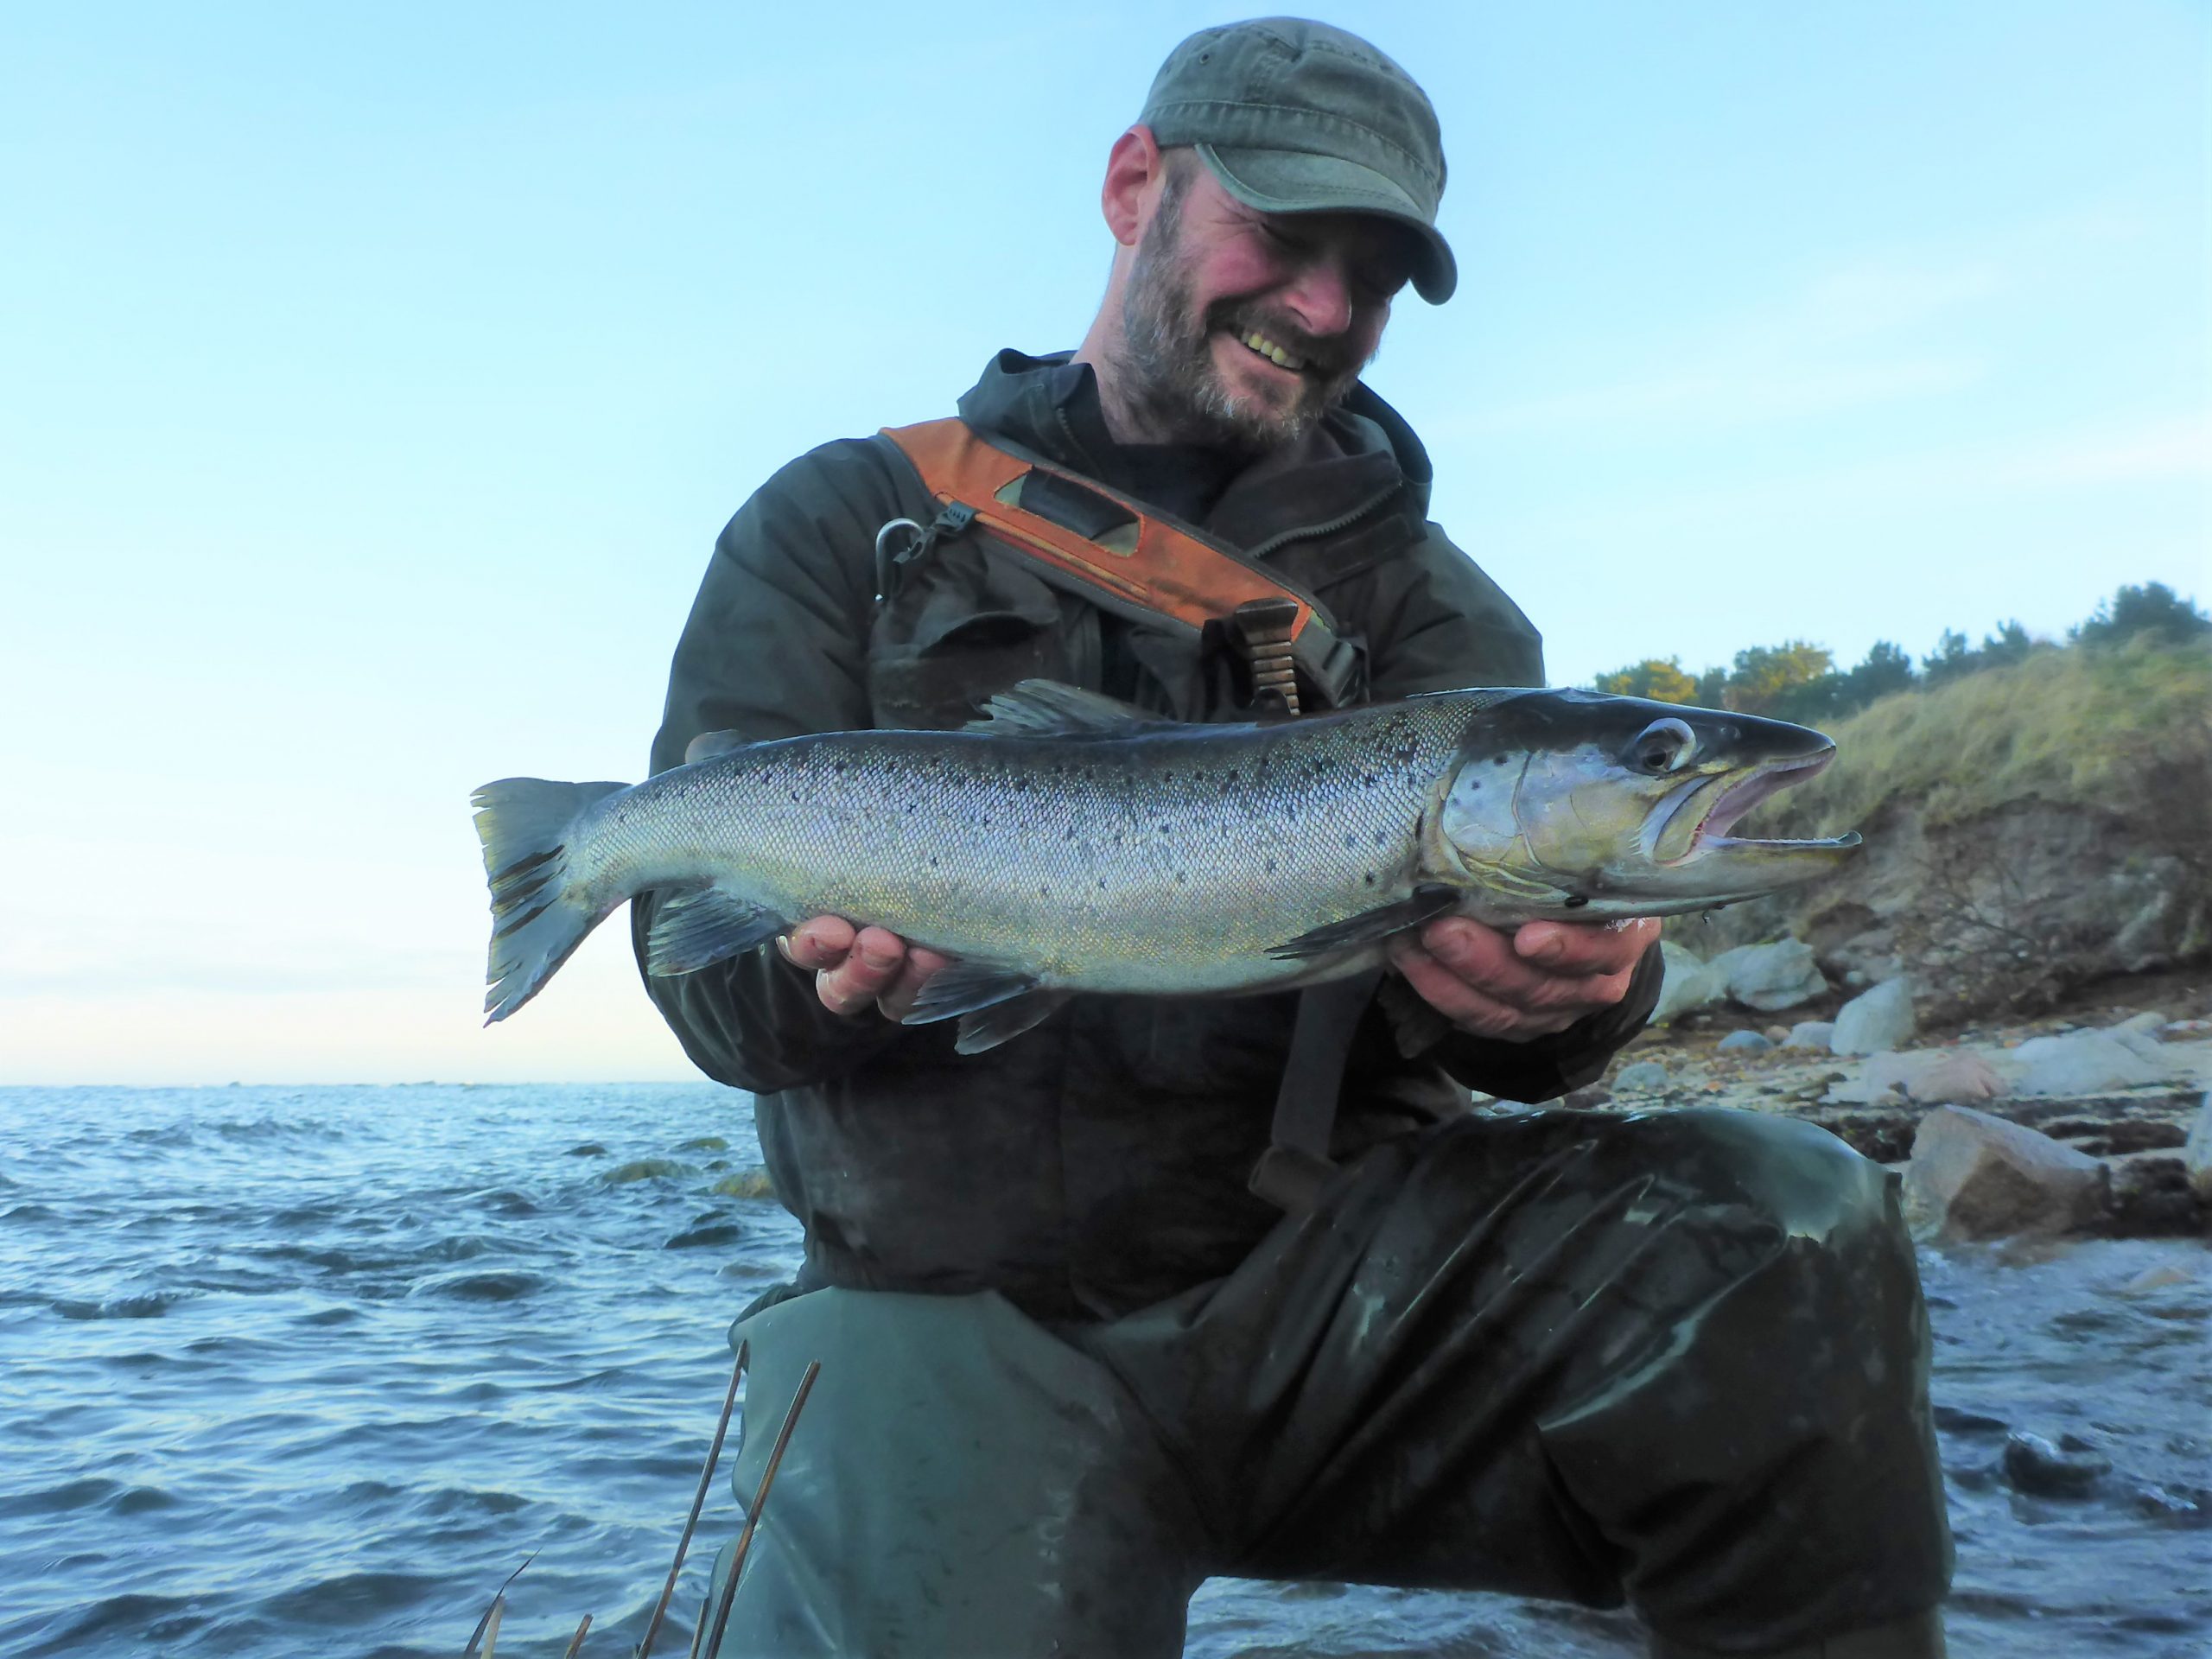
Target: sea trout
(1066, 843)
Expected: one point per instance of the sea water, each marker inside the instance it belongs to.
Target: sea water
(307, 1371)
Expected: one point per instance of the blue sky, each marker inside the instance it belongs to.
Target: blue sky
(373, 382)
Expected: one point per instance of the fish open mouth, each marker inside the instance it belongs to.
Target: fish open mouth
(1732, 802)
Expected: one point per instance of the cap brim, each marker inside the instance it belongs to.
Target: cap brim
(1298, 182)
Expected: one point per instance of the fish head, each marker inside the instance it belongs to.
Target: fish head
(1576, 804)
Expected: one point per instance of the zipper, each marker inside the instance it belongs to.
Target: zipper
(1312, 532)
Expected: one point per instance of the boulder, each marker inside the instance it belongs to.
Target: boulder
(1645, 1076)
(2034, 1465)
(1974, 1176)
(2088, 1062)
(1690, 983)
(1949, 1075)
(1770, 976)
(1745, 1042)
(1877, 1021)
(2150, 1022)
(1811, 1033)
(2197, 1151)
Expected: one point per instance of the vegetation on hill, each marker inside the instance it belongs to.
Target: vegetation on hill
(2126, 729)
(1799, 680)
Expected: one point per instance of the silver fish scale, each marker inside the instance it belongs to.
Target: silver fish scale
(1172, 860)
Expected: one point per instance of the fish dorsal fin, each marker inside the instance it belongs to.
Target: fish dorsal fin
(1049, 708)
(707, 745)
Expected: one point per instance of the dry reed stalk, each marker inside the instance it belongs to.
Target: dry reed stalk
(760, 1502)
(698, 1502)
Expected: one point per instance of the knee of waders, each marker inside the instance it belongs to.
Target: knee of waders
(1804, 1181)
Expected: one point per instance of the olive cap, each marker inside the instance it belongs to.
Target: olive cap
(1296, 117)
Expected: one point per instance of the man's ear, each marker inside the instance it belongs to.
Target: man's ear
(1135, 175)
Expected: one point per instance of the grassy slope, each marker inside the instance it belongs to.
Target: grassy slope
(2067, 727)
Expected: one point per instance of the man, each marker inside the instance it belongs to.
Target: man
(1071, 1365)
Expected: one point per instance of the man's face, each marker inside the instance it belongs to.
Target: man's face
(1240, 328)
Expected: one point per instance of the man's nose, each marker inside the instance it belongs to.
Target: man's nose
(1320, 295)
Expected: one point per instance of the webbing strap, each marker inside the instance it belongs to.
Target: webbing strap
(1162, 568)
(1296, 1165)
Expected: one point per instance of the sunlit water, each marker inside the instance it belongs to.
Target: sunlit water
(290, 1371)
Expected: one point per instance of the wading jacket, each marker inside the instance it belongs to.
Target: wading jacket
(1098, 1163)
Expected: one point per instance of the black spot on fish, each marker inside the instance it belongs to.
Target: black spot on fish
(1499, 761)
(1368, 780)
(1271, 867)
(1351, 839)
(1404, 756)
(1576, 900)
(1381, 838)
(1369, 877)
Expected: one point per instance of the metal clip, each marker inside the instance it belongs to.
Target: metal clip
(1263, 630)
(914, 543)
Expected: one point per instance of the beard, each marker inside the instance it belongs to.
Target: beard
(1171, 386)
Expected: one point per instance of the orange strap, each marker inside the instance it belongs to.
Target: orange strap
(1167, 571)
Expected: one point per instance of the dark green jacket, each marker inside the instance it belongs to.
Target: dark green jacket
(1098, 1163)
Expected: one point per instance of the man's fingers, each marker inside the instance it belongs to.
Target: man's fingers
(1473, 1009)
(1585, 947)
(819, 942)
(898, 1001)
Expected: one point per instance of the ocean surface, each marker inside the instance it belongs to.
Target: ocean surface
(309, 1371)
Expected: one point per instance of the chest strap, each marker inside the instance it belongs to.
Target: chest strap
(1126, 556)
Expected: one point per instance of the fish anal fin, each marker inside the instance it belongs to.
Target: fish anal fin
(1369, 927)
(988, 1028)
(964, 987)
(697, 929)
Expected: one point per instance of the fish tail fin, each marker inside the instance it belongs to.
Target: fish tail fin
(538, 918)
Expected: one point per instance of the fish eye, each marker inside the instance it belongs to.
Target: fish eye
(1664, 746)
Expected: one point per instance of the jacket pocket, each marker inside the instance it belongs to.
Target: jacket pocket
(962, 626)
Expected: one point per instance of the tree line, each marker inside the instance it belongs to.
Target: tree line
(1800, 681)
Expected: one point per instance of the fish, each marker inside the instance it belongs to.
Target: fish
(1064, 843)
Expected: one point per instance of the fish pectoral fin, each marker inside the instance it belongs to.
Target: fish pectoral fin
(1049, 708)
(1371, 927)
(964, 986)
(707, 745)
(990, 1027)
(697, 929)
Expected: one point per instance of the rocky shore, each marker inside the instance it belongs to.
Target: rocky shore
(2091, 1119)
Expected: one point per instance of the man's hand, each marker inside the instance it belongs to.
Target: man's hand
(1539, 980)
(855, 969)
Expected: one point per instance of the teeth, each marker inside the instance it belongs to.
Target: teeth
(1274, 353)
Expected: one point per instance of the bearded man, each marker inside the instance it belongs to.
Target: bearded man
(1071, 1363)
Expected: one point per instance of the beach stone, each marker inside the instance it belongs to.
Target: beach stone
(744, 1184)
(2150, 1022)
(1771, 977)
(2197, 1151)
(1974, 1176)
(647, 1169)
(1876, 1020)
(1644, 1076)
(1778, 1034)
(2033, 1464)
(2088, 1062)
(1687, 984)
(1811, 1033)
(1745, 1042)
(1950, 1075)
